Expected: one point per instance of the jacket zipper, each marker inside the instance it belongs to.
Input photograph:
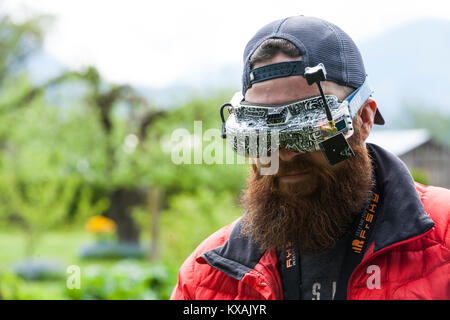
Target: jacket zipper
(376, 254)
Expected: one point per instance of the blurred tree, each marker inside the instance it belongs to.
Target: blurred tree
(202, 197)
(420, 176)
(110, 146)
(120, 118)
(34, 193)
(37, 191)
(18, 41)
(430, 118)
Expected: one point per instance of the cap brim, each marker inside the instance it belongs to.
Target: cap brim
(378, 118)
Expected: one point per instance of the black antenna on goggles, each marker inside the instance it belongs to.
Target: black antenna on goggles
(335, 148)
(315, 75)
(224, 131)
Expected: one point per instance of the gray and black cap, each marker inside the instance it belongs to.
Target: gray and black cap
(319, 41)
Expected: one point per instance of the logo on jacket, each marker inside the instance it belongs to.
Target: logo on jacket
(365, 224)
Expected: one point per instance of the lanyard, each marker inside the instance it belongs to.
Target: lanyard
(363, 226)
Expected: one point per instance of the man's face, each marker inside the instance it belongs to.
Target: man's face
(284, 90)
(307, 201)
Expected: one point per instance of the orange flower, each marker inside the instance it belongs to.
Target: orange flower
(100, 224)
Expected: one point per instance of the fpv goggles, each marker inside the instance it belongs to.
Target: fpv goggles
(302, 126)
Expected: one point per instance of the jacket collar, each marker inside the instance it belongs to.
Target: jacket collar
(237, 256)
(401, 212)
(401, 216)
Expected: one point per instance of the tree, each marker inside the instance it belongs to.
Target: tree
(437, 122)
(35, 194)
(18, 41)
(102, 152)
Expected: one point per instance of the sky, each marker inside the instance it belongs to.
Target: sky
(156, 43)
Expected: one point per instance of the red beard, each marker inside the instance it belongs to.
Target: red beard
(312, 213)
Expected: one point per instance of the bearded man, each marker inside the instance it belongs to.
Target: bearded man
(339, 219)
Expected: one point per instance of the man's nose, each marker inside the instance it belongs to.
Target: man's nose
(287, 155)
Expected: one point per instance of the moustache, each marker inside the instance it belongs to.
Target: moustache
(302, 163)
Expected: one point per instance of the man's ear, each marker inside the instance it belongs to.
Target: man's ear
(367, 116)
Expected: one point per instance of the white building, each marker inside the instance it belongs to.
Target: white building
(419, 151)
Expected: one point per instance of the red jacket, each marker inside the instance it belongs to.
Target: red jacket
(410, 248)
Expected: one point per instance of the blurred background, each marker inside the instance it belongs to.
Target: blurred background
(91, 204)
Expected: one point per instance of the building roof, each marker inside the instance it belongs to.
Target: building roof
(399, 142)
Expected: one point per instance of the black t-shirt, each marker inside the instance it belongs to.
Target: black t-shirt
(321, 275)
(320, 272)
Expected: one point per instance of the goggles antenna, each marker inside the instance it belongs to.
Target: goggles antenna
(315, 75)
(335, 148)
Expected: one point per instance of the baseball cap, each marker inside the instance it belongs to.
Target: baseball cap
(318, 41)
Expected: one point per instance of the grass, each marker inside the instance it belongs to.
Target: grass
(63, 246)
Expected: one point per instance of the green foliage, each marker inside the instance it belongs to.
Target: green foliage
(61, 162)
(10, 284)
(125, 280)
(38, 188)
(13, 287)
(192, 217)
(202, 197)
(420, 176)
(192, 177)
(18, 41)
(435, 121)
(63, 245)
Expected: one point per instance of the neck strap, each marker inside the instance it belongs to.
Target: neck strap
(290, 269)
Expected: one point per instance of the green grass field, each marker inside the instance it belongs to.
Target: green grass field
(62, 246)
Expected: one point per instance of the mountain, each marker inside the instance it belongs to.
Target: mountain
(199, 81)
(408, 64)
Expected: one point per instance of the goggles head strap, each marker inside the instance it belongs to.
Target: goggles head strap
(277, 70)
(358, 97)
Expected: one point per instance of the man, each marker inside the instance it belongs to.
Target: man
(327, 224)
